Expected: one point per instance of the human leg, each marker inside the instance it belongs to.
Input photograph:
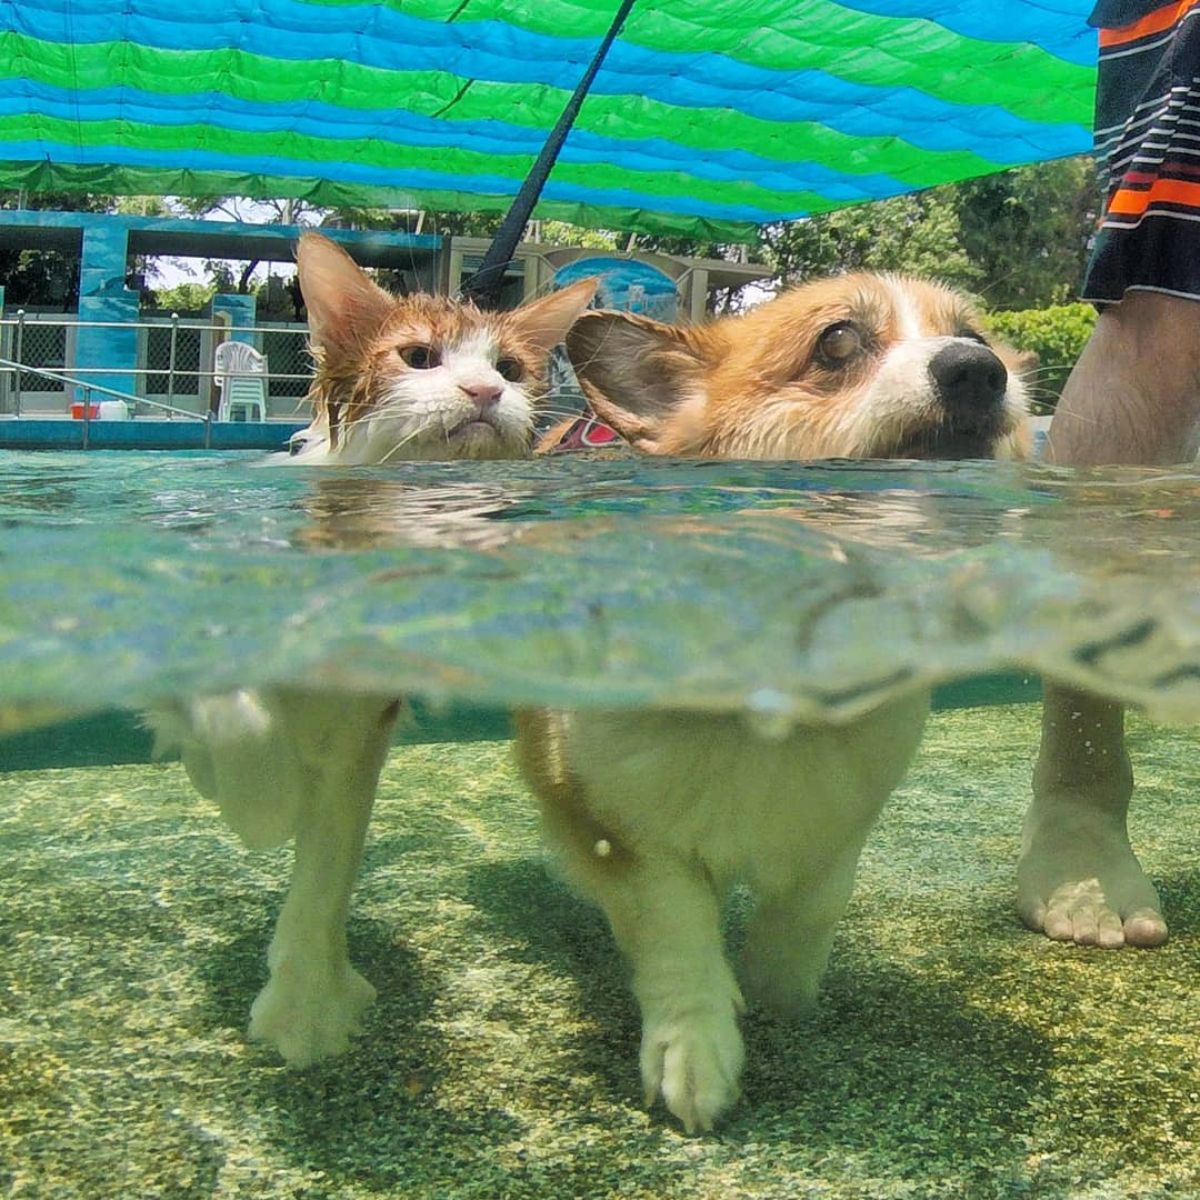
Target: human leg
(1134, 397)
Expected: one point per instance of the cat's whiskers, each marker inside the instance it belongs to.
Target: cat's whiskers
(400, 446)
(371, 418)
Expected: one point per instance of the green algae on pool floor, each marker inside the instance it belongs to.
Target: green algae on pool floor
(953, 1054)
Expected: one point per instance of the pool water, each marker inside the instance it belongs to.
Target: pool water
(953, 1054)
(785, 591)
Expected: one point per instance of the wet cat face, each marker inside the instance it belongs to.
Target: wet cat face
(422, 377)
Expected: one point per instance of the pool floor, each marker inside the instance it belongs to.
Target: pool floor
(953, 1054)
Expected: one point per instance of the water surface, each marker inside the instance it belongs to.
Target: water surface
(787, 590)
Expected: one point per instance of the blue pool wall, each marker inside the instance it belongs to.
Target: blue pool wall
(114, 737)
(27, 433)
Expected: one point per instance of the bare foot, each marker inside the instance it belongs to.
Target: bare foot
(1079, 881)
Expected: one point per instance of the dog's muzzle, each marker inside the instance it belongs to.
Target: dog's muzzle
(970, 382)
(970, 385)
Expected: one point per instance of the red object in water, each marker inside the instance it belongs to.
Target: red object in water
(93, 413)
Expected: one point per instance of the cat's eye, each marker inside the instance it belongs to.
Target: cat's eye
(840, 343)
(421, 357)
(510, 369)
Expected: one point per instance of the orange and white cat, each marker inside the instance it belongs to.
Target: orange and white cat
(420, 377)
(397, 378)
(655, 814)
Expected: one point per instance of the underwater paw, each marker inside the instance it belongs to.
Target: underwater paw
(694, 1064)
(310, 1015)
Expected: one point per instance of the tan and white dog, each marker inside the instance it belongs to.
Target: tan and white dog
(857, 366)
(397, 378)
(655, 815)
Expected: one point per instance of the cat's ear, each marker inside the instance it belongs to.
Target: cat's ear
(345, 307)
(637, 373)
(543, 323)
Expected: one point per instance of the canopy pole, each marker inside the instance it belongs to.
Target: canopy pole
(484, 286)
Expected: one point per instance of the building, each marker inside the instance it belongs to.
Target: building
(112, 346)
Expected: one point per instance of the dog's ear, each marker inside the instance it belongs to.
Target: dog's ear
(345, 306)
(544, 322)
(637, 373)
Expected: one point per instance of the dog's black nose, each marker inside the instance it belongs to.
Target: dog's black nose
(969, 378)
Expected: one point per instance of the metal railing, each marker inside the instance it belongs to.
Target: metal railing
(173, 360)
(87, 388)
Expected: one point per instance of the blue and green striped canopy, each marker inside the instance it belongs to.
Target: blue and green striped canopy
(709, 118)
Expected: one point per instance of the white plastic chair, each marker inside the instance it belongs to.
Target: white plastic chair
(241, 374)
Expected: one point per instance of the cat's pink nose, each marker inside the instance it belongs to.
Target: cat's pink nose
(484, 394)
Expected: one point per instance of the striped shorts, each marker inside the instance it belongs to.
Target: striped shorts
(1147, 141)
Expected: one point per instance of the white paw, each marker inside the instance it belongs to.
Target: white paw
(310, 1014)
(694, 1063)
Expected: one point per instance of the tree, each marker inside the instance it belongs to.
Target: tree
(45, 278)
(49, 277)
(1028, 231)
(185, 298)
(1019, 238)
(58, 201)
(918, 234)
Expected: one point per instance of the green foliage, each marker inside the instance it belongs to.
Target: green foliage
(143, 206)
(58, 201)
(220, 275)
(1056, 335)
(45, 278)
(278, 298)
(1018, 239)
(187, 299)
(39, 278)
(1027, 231)
(916, 234)
(452, 224)
(560, 233)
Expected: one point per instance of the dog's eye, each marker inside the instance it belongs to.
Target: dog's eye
(421, 357)
(840, 343)
(510, 369)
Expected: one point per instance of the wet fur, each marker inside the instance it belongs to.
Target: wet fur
(371, 406)
(297, 764)
(755, 386)
(655, 815)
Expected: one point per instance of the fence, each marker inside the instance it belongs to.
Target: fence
(173, 366)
